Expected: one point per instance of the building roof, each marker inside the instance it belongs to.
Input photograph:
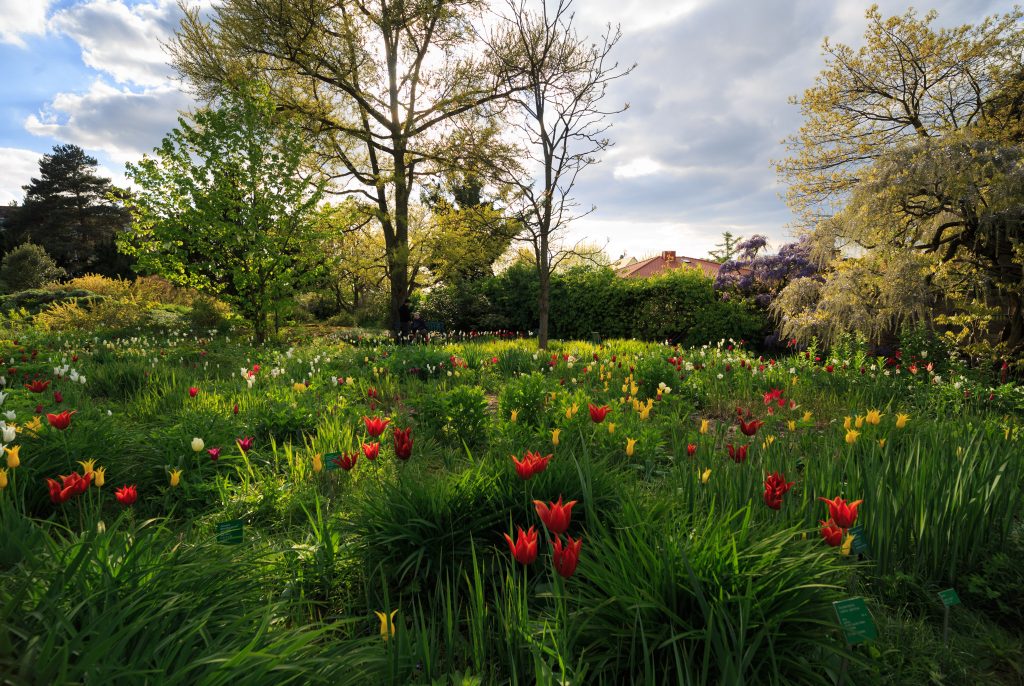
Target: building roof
(659, 264)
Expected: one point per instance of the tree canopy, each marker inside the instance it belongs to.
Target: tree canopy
(226, 204)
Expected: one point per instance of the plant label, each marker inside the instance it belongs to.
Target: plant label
(949, 597)
(855, 620)
(329, 461)
(230, 532)
(860, 540)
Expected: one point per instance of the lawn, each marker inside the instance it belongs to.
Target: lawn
(338, 509)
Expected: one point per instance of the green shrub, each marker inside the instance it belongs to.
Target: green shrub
(28, 266)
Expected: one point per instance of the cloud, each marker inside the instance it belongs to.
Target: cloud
(122, 41)
(22, 18)
(17, 167)
(120, 122)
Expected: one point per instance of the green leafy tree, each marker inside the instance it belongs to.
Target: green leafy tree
(28, 266)
(386, 89)
(906, 174)
(68, 211)
(727, 249)
(226, 205)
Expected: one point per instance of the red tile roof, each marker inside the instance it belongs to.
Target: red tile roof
(667, 260)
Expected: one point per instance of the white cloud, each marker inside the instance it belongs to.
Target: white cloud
(641, 166)
(17, 167)
(122, 123)
(22, 18)
(122, 41)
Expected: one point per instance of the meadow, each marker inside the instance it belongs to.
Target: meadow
(181, 508)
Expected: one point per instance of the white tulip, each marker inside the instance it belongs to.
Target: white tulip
(197, 444)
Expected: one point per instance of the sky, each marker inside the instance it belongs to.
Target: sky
(708, 103)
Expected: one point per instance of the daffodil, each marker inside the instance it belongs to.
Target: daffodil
(901, 420)
(630, 445)
(704, 424)
(555, 433)
(515, 416)
(99, 477)
(175, 478)
(88, 466)
(873, 417)
(13, 460)
(387, 624)
(705, 475)
(851, 436)
(318, 462)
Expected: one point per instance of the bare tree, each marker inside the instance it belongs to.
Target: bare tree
(557, 80)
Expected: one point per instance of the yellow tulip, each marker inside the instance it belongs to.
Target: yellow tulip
(807, 416)
(851, 436)
(768, 440)
(705, 475)
(625, 388)
(349, 380)
(571, 411)
(859, 422)
(791, 425)
(13, 460)
(1006, 434)
(795, 379)
(515, 416)
(847, 544)
(99, 477)
(611, 427)
(3, 479)
(554, 436)
(318, 462)
(881, 442)
(704, 424)
(299, 387)
(874, 417)
(387, 624)
(847, 423)
(88, 466)
(175, 478)
(630, 444)
(901, 420)
(35, 425)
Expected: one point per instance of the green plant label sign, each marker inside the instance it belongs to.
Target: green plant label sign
(949, 597)
(230, 532)
(855, 620)
(860, 540)
(329, 461)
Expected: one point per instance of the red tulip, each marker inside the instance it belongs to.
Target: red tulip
(126, 495)
(738, 454)
(566, 558)
(832, 534)
(57, 397)
(843, 514)
(193, 391)
(235, 409)
(750, 428)
(403, 443)
(60, 421)
(375, 427)
(244, 444)
(371, 451)
(776, 482)
(37, 386)
(346, 460)
(532, 464)
(555, 515)
(524, 550)
(214, 453)
(691, 449)
(772, 499)
(598, 413)
(69, 486)
(39, 409)
(772, 395)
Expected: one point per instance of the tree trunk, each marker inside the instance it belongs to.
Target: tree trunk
(543, 305)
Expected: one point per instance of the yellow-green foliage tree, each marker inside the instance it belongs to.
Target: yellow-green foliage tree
(907, 174)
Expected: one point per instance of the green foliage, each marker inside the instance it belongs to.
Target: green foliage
(224, 207)
(526, 395)
(26, 267)
(680, 306)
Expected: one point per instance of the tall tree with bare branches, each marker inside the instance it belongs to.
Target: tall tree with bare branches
(557, 80)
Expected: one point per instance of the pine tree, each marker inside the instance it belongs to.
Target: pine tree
(726, 250)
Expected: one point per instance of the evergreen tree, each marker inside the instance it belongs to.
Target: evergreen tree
(727, 249)
(68, 212)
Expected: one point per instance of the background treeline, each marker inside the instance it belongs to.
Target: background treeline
(681, 306)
